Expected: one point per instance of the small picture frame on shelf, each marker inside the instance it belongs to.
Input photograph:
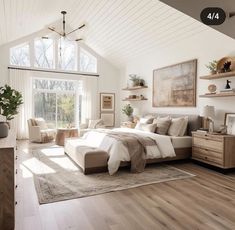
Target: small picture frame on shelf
(229, 121)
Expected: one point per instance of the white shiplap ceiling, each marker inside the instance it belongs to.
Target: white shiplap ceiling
(116, 29)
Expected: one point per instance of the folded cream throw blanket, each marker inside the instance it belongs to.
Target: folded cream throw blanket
(136, 146)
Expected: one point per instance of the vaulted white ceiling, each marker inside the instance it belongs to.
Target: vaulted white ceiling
(116, 29)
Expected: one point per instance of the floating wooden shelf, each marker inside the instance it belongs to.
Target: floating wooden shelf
(218, 95)
(218, 76)
(135, 88)
(129, 99)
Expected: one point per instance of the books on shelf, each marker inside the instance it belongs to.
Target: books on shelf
(201, 131)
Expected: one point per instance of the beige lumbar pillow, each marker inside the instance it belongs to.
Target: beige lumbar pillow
(163, 124)
(178, 126)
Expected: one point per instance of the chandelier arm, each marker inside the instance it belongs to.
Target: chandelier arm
(64, 34)
(56, 31)
(80, 27)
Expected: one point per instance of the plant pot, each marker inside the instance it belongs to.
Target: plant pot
(4, 129)
(130, 118)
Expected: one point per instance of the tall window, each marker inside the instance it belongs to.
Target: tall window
(67, 54)
(57, 101)
(88, 63)
(44, 53)
(19, 55)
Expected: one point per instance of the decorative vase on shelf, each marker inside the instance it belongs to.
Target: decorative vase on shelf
(4, 129)
(130, 118)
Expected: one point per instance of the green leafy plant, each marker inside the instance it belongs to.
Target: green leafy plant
(10, 100)
(128, 110)
(212, 66)
(137, 81)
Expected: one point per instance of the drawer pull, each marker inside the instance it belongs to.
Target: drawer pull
(16, 186)
(16, 203)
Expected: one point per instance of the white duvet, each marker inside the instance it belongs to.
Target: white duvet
(118, 152)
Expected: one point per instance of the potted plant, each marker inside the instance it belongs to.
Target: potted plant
(212, 66)
(128, 111)
(136, 81)
(10, 100)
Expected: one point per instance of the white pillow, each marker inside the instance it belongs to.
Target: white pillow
(41, 123)
(178, 126)
(146, 120)
(93, 123)
(146, 127)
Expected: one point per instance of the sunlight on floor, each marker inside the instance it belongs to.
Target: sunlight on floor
(26, 173)
(53, 151)
(65, 163)
(37, 167)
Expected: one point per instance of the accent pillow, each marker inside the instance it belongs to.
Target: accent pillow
(93, 123)
(143, 120)
(178, 127)
(146, 120)
(147, 127)
(163, 124)
(41, 123)
(33, 122)
(184, 127)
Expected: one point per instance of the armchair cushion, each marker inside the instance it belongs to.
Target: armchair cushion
(41, 122)
(93, 123)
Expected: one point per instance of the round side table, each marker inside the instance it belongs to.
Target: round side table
(63, 133)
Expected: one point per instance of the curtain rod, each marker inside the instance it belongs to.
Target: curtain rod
(53, 71)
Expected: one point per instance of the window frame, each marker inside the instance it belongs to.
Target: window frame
(59, 92)
(34, 53)
(82, 50)
(18, 46)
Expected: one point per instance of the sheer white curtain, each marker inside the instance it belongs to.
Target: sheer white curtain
(89, 98)
(20, 80)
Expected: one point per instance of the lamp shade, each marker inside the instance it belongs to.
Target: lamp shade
(208, 112)
(136, 112)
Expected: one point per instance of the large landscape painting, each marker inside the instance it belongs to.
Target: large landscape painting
(175, 85)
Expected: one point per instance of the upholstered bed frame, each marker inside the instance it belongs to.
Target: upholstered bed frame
(95, 160)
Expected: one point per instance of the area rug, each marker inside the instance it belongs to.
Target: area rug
(58, 178)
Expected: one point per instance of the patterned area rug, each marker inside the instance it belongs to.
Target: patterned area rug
(58, 178)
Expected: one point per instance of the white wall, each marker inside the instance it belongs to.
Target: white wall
(109, 76)
(205, 47)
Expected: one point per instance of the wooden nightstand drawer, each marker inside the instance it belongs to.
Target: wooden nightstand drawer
(208, 156)
(214, 149)
(208, 143)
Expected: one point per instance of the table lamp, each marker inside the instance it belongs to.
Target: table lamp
(208, 112)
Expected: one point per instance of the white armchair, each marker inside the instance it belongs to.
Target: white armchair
(39, 132)
(90, 125)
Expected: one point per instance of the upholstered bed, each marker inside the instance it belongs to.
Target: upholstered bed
(92, 157)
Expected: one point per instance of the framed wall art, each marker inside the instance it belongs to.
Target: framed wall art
(229, 121)
(108, 119)
(107, 102)
(175, 85)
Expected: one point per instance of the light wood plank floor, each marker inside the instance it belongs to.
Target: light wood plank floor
(206, 201)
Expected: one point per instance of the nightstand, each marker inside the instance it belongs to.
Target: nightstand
(128, 124)
(213, 149)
